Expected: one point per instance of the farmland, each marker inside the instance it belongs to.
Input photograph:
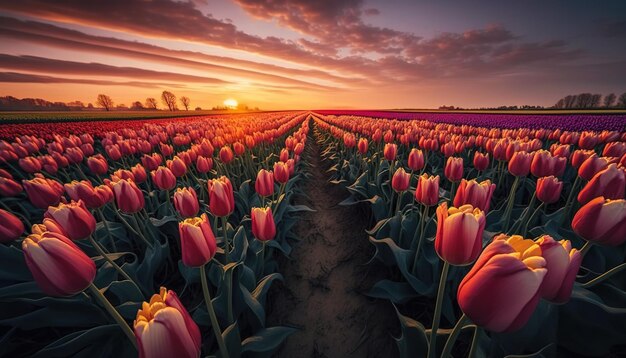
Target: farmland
(314, 232)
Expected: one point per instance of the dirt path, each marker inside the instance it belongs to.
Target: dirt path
(325, 278)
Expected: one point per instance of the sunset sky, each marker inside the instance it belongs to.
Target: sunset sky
(279, 54)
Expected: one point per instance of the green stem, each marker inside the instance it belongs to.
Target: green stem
(604, 276)
(141, 235)
(531, 219)
(509, 205)
(524, 217)
(106, 227)
(586, 247)
(225, 232)
(423, 218)
(209, 306)
(570, 199)
(113, 312)
(101, 252)
(432, 347)
(262, 258)
(453, 191)
(474, 347)
(447, 349)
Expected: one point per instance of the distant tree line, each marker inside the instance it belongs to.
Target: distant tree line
(591, 100)
(168, 100)
(512, 108)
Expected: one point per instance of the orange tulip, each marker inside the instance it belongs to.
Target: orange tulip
(609, 183)
(226, 155)
(281, 172)
(427, 191)
(476, 194)
(363, 145)
(416, 159)
(400, 180)
(548, 189)
(454, 169)
(563, 263)
(481, 161)
(390, 151)
(264, 184)
(519, 165)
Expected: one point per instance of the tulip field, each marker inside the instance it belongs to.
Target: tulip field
(490, 235)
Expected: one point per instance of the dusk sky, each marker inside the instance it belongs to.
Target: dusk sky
(279, 54)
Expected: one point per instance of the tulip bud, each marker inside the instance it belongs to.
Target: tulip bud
(563, 263)
(284, 155)
(128, 197)
(281, 172)
(11, 228)
(591, 166)
(579, 156)
(9, 187)
(43, 192)
(263, 227)
(427, 191)
(362, 146)
(186, 202)
(177, 166)
(454, 169)
(515, 270)
(197, 241)
(481, 161)
(98, 164)
(59, 267)
(609, 183)
(163, 178)
(519, 165)
(459, 233)
(476, 194)
(416, 159)
(264, 184)
(139, 173)
(226, 155)
(30, 164)
(602, 221)
(544, 164)
(74, 218)
(204, 164)
(400, 180)
(221, 197)
(164, 328)
(390, 151)
(548, 189)
(239, 148)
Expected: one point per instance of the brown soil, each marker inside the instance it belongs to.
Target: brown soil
(326, 277)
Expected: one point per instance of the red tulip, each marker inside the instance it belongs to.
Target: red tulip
(481, 161)
(9, 187)
(128, 197)
(544, 164)
(221, 197)
(186, 202)
(563, 263)
(163, 178)
(454, 169)
(427, 191)
(139, 173)
(579, 156)
(11, 228)
(502, 289)
(400, 180)
(519, 165)
(362, 146)
(30, 164)
(239, 148)
(74, 218)
(263, 227)
(390, 151)
(602, 221)
(588, 140)
(476, 194)
(98, 164)
(284, 155)
(264, 184)
(459, 233)
(177, 166)
(59, 267)
(164, 328)
(609, 183)
(43, 192)
(281, 172)
(226, 155)
(614, 149)
(416, 159)
(203, 164)
(92, 197)
(548, 189)
(197, 241)
(591, 166)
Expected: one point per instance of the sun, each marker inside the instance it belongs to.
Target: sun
(231, 103)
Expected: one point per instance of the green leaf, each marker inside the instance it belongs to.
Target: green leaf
(232, 339)
(413, 341)
(266, 341)
(101, 341)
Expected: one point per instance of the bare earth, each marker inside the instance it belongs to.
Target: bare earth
(325, 279)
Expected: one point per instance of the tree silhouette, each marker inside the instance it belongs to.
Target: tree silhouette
(185, 102)
(621, 102)
(169, 99)
(151, 103)
(104, 101)
(609, 100)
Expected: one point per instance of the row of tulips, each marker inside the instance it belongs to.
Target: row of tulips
(164, 231)
(473, 255)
